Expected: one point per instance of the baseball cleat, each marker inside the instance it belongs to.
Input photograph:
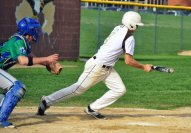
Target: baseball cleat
(93, 113)
(6, 124)
(42, 107)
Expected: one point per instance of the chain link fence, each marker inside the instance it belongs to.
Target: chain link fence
(166, 31)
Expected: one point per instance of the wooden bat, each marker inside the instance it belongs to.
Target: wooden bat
(163, 69)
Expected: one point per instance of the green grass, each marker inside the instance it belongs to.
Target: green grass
(145, 90)
(167, 40)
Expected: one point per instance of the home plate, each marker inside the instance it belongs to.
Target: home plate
(142, 124)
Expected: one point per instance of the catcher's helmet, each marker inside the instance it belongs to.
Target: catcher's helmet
(131, 20)
(29, 26)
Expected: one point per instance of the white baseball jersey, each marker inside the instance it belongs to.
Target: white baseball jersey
(111, 50)
(118, 43)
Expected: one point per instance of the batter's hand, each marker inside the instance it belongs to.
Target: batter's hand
(148, 67)
(52, 58)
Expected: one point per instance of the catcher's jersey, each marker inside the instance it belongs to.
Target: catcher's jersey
(11, 49)
(114, 46)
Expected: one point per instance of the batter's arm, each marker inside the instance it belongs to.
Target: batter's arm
(129, 60)
(23, 60)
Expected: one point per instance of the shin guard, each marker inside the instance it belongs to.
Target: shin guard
(12, 97)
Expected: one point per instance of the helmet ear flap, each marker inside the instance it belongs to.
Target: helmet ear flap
(131, 27)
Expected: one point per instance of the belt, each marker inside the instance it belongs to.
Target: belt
(104, 66)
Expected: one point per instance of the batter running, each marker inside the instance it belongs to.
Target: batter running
(101, 68)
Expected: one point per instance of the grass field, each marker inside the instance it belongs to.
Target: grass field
(168, 32)
(145, 90)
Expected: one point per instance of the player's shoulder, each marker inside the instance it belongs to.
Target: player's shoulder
(18, 40)
(120, 27)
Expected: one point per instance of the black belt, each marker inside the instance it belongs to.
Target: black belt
(104, 66)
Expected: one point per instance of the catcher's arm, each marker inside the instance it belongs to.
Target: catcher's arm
(30, 60)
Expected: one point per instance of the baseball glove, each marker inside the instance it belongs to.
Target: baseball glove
(54, 68)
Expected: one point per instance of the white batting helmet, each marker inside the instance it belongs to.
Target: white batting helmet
(131, 20)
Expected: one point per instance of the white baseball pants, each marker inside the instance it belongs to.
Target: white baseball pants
(6, 80)
(92, 74)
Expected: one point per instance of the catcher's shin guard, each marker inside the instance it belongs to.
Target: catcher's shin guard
(12, 97)
(2, 96)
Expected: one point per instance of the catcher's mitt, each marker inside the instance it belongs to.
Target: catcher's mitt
(54, 68)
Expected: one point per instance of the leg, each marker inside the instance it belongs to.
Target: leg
(12, 97)
(15, 91)
(92, 74)
(2, 96)
(117, 89)
(6, 80)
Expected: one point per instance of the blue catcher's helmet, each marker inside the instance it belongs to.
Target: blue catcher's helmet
(30, 26)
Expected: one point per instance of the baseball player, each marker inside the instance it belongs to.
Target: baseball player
(18, 50)
(101, 68)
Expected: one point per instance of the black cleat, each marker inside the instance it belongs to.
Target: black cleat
(42, 107)
(93, 113)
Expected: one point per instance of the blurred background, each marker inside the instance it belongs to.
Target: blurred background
(167, 27)
(77, 28)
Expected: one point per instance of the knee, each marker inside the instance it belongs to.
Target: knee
(122, 90)
(2, 96)
(12, 97)
(18, 89)
(79, 90)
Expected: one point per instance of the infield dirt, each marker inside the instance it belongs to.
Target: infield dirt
(120, 120)
(186, 53)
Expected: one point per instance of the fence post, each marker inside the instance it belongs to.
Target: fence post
(136, 8)
(98, 32)
(155, 32)
(181, 32)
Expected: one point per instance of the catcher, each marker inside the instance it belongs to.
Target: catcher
(18, 50)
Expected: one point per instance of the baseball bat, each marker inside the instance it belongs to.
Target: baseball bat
(163, 69)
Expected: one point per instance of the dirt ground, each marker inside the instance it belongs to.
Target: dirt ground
(185, 53)
(120, 120)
